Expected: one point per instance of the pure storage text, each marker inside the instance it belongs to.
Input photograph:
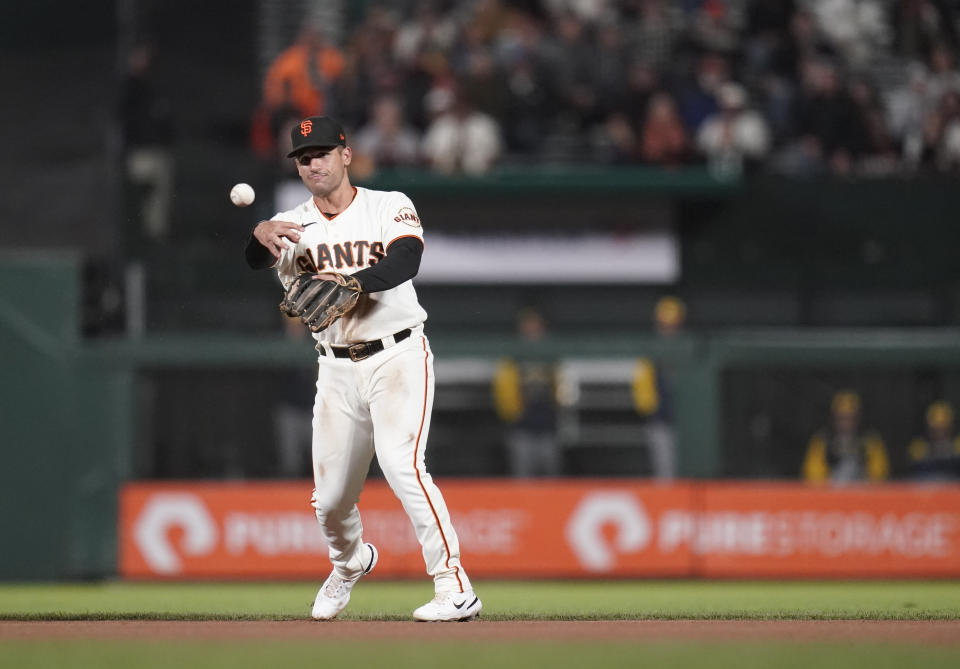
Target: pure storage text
(789, 533)
(268, 534)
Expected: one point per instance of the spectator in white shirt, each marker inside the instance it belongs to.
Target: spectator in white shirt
(460, 139)
(734, 137)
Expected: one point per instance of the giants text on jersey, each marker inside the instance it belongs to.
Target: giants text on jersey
(347, 242)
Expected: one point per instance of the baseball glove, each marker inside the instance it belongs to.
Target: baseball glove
(319, 300)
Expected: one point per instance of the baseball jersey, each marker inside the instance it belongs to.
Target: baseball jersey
(356, 238)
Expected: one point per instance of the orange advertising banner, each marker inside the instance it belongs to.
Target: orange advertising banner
(797, 531)
(553, 529)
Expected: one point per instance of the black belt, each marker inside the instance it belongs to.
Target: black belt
(364, 349)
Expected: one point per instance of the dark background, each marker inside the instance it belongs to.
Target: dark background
(769, 252)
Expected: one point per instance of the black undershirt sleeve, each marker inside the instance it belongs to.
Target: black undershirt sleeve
(401, 263)
(257, 255)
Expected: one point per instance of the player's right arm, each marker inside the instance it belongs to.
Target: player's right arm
(267, 242)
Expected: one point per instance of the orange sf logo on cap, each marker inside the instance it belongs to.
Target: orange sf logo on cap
(306, 128)
(342, 138)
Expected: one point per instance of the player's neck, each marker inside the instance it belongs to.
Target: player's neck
(336, 201)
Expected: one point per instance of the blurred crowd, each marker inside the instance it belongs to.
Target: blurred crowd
(846, 450)
(799, 87)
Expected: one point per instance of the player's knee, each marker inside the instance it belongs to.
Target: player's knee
(328, 503)
(321, 503)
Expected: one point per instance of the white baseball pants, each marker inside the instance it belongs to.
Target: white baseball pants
(381, 404)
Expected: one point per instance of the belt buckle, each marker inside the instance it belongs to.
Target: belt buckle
(358, 352)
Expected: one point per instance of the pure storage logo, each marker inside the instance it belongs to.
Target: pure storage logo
(155, 527)
(588, 529)
(187, 534)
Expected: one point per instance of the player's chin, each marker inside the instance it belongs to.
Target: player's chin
(318, 186)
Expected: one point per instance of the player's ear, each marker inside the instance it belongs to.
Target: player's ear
(347, 155)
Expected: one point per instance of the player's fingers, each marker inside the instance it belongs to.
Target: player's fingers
(274, 235)
(292, 234)
(276, 246)
(272, 245)
(265, 234)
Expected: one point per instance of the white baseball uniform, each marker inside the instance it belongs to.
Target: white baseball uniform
(380, 404)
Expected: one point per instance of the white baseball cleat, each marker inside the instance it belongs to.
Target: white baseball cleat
(450, 607)
(335, 592)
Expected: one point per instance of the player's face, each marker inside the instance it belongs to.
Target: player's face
(323, 169)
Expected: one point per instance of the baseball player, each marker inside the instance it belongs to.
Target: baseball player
(375, 383)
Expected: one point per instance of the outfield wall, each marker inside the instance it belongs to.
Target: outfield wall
(556, 529)
(69, 427)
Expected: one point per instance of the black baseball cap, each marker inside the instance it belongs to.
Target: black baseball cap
(320, 131)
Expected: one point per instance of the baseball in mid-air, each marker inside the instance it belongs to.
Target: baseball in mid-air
(242, 195)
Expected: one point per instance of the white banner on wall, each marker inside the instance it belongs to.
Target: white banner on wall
(648, 256)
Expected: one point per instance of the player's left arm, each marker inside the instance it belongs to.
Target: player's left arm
(401, 225)
(401, 263)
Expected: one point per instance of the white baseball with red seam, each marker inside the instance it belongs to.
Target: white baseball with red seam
(242, 195)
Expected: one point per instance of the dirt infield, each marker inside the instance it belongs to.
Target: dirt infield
(921, 632)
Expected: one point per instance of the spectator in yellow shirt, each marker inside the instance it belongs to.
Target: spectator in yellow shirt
(844, 452)
(524, 395)
(652, 391)
(936, 454)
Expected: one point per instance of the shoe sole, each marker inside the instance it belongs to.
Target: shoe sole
(465, 619)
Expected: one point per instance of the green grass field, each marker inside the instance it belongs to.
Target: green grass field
(374, 600)
(502, 600)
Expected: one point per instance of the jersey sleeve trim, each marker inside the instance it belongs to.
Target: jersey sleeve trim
(397, 239)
